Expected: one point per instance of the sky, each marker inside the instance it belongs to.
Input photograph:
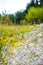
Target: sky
(12, 6)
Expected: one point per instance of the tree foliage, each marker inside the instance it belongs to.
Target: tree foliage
(19, 16)
(34, 15)
(33, 12)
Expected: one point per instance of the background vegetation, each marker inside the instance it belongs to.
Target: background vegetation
(33, 14)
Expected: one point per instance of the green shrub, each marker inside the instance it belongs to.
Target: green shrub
(34, 15)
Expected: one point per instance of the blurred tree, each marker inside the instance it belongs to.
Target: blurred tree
(41, 3)
(34, 15)
(7, 20)
(0, 17)
(32, 3)
(36, 3)
(19, 16)
(12, 18)
(28, 6)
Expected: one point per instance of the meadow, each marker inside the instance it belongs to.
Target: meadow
(14, 35)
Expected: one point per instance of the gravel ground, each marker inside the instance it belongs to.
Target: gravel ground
(30, 53)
